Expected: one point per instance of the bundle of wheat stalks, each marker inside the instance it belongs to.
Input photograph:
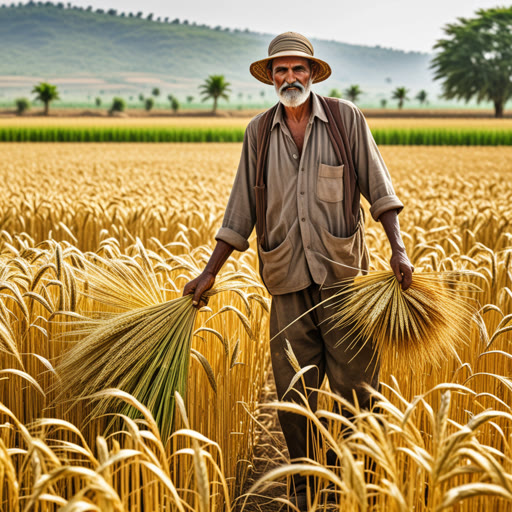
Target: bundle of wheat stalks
(425, 323)
(144, 351)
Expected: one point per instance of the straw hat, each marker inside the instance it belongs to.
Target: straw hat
(289, 44)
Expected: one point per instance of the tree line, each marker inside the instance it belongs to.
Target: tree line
(120, 14)
(214, 87)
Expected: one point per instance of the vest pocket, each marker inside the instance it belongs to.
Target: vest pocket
(345, 257)
(329, 184)
(276, 264)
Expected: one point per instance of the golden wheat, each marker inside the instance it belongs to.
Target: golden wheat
(150, 212)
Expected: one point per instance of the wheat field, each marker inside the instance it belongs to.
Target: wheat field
(146, 215)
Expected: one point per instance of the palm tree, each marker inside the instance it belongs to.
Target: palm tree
(400, 94)
(353, 92)
(335, 93)
(215, 86)
(45, 93)
(422, 97)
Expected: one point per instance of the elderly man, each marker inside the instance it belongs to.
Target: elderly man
(303, 165)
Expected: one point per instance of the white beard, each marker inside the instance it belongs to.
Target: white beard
(293, 97)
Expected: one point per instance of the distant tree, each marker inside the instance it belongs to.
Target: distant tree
(88, 8)
(383, 103)
(141, 97)
(476, 58)
(45, 93)
(155, 92)
(166, 19)
(175, 21)
(112, 12)
(215, 86)
(100, 11)
(335, 93)
(400, 94)
(149, 16)
(353, 92)
(422, 97)
(149, 104)
(22, 105)
(175, 104)
(139, 14)
(190, 99)
(98, 101)
(118, 105)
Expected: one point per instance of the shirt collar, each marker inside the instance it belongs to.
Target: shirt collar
(316, 111)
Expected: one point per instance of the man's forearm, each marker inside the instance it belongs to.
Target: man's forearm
(389, 221)
(219, 256)
(400, 263)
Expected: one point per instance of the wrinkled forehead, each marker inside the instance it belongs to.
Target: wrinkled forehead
(290, 62)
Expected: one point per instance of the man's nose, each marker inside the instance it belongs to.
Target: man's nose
(290, 77)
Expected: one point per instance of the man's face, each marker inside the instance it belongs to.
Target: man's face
(292, 77)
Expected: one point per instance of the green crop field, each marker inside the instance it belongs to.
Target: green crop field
(395, 136)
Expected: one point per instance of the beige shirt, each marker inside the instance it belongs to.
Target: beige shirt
(306, 229)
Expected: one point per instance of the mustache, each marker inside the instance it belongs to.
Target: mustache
(295, 84)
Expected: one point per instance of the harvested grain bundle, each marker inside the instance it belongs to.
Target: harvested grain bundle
(424, 323)
(144, 352)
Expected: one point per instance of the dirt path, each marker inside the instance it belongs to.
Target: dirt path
(269, 453)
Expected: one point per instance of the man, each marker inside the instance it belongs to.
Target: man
(309, 239)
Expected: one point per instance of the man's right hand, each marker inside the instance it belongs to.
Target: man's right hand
(198, 286)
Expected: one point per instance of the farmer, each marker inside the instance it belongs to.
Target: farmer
(304, 202)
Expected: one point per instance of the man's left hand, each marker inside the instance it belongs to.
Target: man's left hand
(402, 268)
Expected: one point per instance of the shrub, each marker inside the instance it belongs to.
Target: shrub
(22, 105)
(118, 105)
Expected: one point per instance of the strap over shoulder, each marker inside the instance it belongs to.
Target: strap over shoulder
(339, 139)
(262, 144)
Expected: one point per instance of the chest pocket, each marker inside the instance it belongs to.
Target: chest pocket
(329, 184)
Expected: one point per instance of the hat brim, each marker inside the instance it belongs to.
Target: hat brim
(258, 69)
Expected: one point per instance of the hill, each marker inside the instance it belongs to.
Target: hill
(86, 51)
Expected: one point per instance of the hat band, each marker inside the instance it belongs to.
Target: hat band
(288, 45)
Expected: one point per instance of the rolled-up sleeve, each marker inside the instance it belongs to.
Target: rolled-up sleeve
(240, 215)
(373, 176)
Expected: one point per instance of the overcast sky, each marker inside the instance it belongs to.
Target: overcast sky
(402, 24)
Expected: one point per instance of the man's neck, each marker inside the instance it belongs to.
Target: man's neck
(300, 113)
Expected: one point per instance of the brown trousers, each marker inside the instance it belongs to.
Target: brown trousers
(313, 343)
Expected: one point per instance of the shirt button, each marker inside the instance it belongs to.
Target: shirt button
(303, 219)
(294, 156)
(308, 247)
(302, 169)
(302, 192)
